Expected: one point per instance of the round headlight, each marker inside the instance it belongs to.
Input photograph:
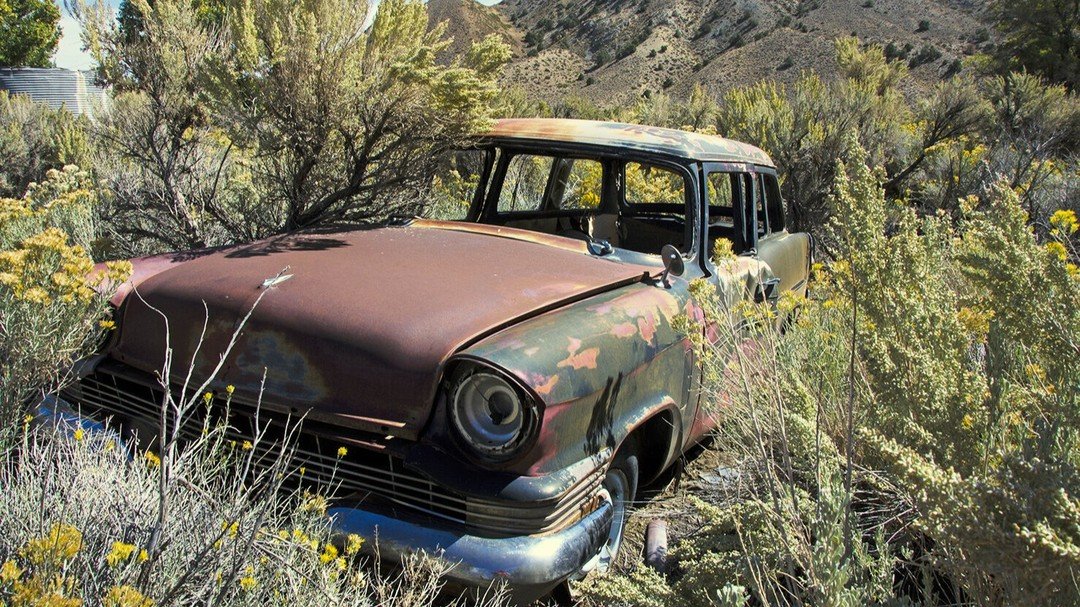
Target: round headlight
(488, 414)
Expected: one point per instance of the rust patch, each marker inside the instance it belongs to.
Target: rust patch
(630, 136)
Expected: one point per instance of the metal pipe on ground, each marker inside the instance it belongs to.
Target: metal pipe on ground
(656, 545)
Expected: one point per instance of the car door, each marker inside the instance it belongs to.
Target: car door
(785, 256)
(733, 194)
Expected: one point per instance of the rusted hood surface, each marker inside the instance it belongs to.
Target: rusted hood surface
(360, 329)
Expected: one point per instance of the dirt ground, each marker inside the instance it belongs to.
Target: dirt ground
(703, 475)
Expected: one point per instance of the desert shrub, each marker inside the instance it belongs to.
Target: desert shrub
(92, 521)
(928, 53)
(49, 311)
(363, 132)
(1033, 139)
(172, 179)
(223, 131)
(34, 139)
(970, 406)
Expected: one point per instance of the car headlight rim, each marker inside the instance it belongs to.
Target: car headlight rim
(490, 414)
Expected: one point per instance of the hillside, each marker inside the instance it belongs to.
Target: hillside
(612, 51)
(468, 21)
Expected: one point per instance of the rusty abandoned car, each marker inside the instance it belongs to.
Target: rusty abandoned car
(504, 382)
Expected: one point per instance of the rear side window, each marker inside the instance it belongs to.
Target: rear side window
(721, 198)
(732, 209)
(774, 204)
(759, 208)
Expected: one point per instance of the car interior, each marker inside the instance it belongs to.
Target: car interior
(630, 205)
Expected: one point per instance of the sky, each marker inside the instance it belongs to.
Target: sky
(69, 53)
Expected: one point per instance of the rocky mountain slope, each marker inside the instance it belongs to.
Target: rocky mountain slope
(613, 51)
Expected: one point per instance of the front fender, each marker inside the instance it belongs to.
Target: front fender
(601, 367)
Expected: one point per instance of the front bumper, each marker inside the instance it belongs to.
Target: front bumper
(530, 565)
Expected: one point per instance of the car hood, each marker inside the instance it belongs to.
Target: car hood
(353, 325)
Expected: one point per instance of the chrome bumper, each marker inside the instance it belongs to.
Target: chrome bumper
(530, 565)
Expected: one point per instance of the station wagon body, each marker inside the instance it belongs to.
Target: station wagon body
(504, 381)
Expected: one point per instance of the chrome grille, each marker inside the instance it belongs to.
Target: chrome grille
(362, 473)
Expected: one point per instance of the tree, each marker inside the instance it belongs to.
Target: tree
(35, 138)
(1042, 36)
(272, 116)
(170, 171)
(346, 123)
(29, 32)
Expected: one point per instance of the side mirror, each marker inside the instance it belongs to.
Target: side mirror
(673, 263)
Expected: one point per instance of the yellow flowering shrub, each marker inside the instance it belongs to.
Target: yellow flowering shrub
(928, 396)
(119, 554)
(125, 596)
(51, 301)
(43, 581)
(1064, 222)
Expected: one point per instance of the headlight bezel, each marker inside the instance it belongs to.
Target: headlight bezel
(464, 373)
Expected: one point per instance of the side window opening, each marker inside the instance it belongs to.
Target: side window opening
(525, 183)
(653, 210)
(730, 199)
(760, 208)
(577, 184)
(774, 203)
(636, 206)
(457, 183)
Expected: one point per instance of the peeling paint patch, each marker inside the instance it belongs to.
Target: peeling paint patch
(626, 329)
(647, 326)
(545, 388)
(579, 360)
(584, 360)
(602, 308)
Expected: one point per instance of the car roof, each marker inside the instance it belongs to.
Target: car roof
(617, 135)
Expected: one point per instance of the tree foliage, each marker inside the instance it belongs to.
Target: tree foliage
(344, 122)
(35, 138)
(171, 174)
(1041, 36)
(29, 32)
(282, 116)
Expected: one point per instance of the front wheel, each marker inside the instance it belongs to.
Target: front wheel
(620, 486)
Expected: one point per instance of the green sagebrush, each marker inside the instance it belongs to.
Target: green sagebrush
(917, 417)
